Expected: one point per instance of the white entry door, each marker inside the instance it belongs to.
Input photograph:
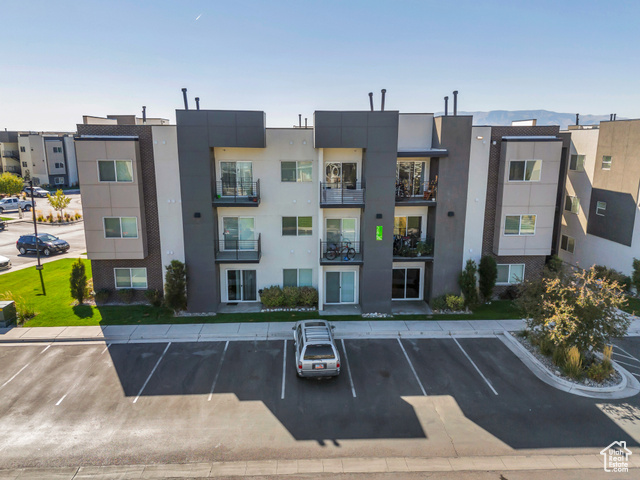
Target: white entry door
(340, 287)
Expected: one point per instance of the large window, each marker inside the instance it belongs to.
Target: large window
(410, 178)
(510, 274)
(340, 230)
(296, 171)
(58, 180)
(525, 170)
(576, 163)
(606, 162)
(520, 225)
(567, 243)
(237, 178)
(239, 233)
(115, 170)
(297, 277)
(121, 227)
(601, 208)
(572, 204)
(241, 286)
(406, 284)
(297, 226)
(131, 277)
(407, 226)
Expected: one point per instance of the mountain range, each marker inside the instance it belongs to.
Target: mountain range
(543, 117)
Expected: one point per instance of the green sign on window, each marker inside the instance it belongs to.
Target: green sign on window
(378, 232)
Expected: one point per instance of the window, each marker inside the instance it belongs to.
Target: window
(567, 243)
(520, 225)
(606, 162)
(58, 165)
(57, 149)
(340, 230)
(237, 178)
(406, 284)
(525, 170)
(577, 163)
(407, 226)
(510, 274)
(241, 286)
(131, 277)
(58, 180)
(22, 149)
(115, 170)
(239, 233)
(572, 204)
(411, 177)
(24, 164)
(296, 277)
(601, 208)
(296, 171)
(121, 227)
(300, 226)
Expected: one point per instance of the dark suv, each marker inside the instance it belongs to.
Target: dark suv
(47, 244)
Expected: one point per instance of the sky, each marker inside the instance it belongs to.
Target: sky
(66, 59)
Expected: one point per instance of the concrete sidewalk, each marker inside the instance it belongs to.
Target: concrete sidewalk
(204, 332)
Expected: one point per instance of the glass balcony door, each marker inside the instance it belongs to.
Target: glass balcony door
(340, 230)
(341, 175)
(410, 177)
(239, 233)
(340, 287)
(406, 284)
(237, 178)
(241, 286)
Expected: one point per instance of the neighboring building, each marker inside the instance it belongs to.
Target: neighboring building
(48, 158)
(601, 214)
(247, 207)
(9, 153)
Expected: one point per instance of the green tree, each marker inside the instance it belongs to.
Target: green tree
(467, 282)
(59, 201)
(635, 276)
(10, 184)
(78, 281)
(488, 273)
(175, 286)
(580, 310)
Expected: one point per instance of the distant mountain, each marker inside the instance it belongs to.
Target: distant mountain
(544, 117)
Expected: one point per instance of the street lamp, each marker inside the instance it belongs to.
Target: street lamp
(39, 267)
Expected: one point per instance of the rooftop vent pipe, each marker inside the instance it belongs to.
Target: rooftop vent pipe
(299, 120)
(577, 119)
(371, 100)
(184, 97)
(144, 114)
(197, 103)
(446, 106)
(455, 103)
(305, 122)
(384, 92)
(614, 116)
(611, 117)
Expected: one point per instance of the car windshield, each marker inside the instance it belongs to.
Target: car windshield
(45, 237)
(319, 352)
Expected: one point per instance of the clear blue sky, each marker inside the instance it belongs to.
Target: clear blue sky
(65, 59)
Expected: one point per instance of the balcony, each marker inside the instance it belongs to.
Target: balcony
(341, 253)
(412, 249)
(236, 194)
(341, 195)
(238, 251)
(418, 194)
(11, 154)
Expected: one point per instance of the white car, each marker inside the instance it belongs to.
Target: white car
(5, 263)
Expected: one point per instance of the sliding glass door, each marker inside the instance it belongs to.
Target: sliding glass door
(340, 287)
(411, 177)
(341, 175)
(406, 284)
(239, 233)
(241, 286)
(237, 178)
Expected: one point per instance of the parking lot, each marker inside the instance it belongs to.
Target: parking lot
(92, 404)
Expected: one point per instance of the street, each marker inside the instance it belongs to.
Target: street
(133, 403)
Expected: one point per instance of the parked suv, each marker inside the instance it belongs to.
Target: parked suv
(47, 244)
(13, 203)
(37, 192)
(316, 352)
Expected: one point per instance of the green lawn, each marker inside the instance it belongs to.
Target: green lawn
(633, 305)
(6, 218)
(57, 309)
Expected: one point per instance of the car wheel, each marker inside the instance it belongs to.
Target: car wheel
(46, 252)
(1, 210)
(27, 208)
(22, 251)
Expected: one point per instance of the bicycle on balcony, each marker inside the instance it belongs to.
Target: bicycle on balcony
(339, 249)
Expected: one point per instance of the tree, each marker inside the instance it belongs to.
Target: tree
(488, 272)
(10, 184)
(175, 286)
(467, 282)
(78, 281)
(635, 276)
(59, 201)
(580, 310)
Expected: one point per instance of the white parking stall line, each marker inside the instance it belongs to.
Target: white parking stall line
(628, 364)
(152, 372)
(630, 356)
(412, 369)
(284, 368)
(346, 360)
(80, 377)
(18, 373)
(105, 348)
(45, 349)
(475, 366)
(623, 355)
(215, 380)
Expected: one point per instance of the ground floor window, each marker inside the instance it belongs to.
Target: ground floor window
(510, 273)
(241, 286)
(131, 277)
(58, 180)
(297, 277)
(340, 287)
(406, 284)
(567, 243)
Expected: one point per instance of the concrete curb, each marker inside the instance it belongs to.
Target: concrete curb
(627, 388)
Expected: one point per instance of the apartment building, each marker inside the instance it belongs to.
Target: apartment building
(9, 155)
(601, 206)
(48, 158)
(378, 210)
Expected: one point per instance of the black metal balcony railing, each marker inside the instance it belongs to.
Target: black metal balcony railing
(10, 154)
(10, 169)
(237, 193)
(412, 247)
(238, 251)
(341, 253)
(341, 193)
(416, 192)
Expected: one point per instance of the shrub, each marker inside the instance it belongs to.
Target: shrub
(78, 281)
(78, 216)
(612, 275)
(635, 276)
(272, 296)
(40, 218)
(554, 266)
(125, 295)
(573, 363)
(455, 303)
(439, 303)
(102, 295)
(154, 297)
(600, 371)
(546, 346)
(291, 296)
(175, 286)
(24, 308)
(559, 356)
(467, 282)
(308, 296)
(512, 292)
(488, 273)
